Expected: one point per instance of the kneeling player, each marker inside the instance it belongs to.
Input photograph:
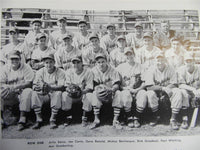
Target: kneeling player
(15, 80)
(79, 87)
(48, 86)
(107, 81)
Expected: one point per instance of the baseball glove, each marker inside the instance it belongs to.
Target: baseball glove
(5, 93)
(195, 102)
(42, 88)
(103, 93)
(74, 91)
(164, 102)
(138, 81)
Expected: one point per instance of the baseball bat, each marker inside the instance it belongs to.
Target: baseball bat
(194, 117)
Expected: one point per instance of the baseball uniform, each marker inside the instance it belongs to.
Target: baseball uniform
(80, 41)
(107, 43)
(63, 57)
(133, 41)
(57, 78)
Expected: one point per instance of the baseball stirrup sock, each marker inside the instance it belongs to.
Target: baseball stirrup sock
(96, 110)
(54, 113)
(22, 117)
(116, 113)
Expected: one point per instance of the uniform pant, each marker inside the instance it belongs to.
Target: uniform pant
(68, 101)
(126, 99)
(54, 97)
(23, 98)
(116, 101)
(144, 98)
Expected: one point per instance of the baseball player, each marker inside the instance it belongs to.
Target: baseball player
(175, 55)
(81, 39)
(163, 36)
(189, 83)
(30, 38)
(15, 44)
(131, 84)
(41, 51)
(135, 40)
(90, 53)
(47, 85)
(56, 36)
(15, 80)
(159, 82)
(66, 52)
(105, 75)
(83, 78)
(117, 55)
(146, 54)
(109, 41)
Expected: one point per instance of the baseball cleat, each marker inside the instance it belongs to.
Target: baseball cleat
(184, 124)
(174, 125)
(53, 125)
(21, 126)
(117, 125)
(37, 125)
(136, 123)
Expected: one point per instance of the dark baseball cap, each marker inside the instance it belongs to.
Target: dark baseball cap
(93, 35)
(76, 58)
(36, 20)
(13, 29)
(100, 55)
(41, 35)
(121, 37)
(82, 21)
(66, 36)
(14, 54)
(128, 49)
(110, 25)
(138, 24)
(49, 56)
(148, 34)
(61, 18)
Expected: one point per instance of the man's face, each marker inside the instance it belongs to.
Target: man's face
(111, 30)
(148, 41)
(95, 41)
(161, 63)
(165, 27)
(36, 26)
(49, 64)
(130, 56)
(42, 41)
(176, 45)
(78, 65)
(67, 41)
(82, 27)
(102, 64)
(138, 30)
(15, 63)
(61, 24)
(121, 43)
(13, 35)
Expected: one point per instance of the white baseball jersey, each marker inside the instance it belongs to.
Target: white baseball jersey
(128, 72)
(63, 57)
(184, 77)
(107, 43)
(55, 78)
(153, 76)
(83, 80)
(56, 38)
(174, 59)
(117, 57)
(89, 55)
(81, 41)
(38, 54)
(146, 57)
(11, 77)
(109, 78)
(30, 41)
(133, 41)
(20, 47)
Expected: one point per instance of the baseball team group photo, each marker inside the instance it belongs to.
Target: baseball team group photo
(88, 73)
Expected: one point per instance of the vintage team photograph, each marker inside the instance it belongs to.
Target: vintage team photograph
(93, 73)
